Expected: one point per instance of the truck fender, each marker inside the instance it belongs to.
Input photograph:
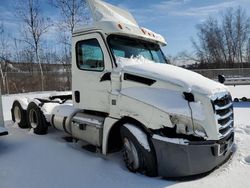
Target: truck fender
(24, 102)
(110, 124)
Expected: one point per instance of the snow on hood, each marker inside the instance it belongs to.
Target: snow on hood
(188, 80)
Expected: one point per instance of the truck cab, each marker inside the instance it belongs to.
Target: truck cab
(120, 70)
(96, 50)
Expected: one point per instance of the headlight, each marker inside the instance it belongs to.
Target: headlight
(199, 131)
(185, 126)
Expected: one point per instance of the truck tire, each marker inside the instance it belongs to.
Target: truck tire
(236, 100)
(36, 119)
(244, 99)
(135, 156)
(19, 115)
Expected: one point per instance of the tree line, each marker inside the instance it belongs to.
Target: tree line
(225, 41)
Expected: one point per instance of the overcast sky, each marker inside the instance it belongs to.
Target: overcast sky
(174, 19)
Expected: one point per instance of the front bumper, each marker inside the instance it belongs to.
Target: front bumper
(179, 160)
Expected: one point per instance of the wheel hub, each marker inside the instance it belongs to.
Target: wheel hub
(33, 118)
(17, 114)
(131, 154)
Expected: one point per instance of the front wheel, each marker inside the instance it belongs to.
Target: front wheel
(36, 119)
(137, 153)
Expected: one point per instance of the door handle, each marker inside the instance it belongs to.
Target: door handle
(77, 96)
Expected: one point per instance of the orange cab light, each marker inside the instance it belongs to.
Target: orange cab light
(143, 31)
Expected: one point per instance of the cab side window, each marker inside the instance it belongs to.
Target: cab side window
(89, 55)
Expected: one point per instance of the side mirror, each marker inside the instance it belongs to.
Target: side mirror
(221, 78)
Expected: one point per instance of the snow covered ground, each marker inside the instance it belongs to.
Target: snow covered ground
(28, 160)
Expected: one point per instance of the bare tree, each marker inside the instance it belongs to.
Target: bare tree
(225, 41)
(35, 25)
(236, 27)
(227, 27)
(211, 43)
(242, 23)
(73, 13)
(248, 51)
(17, 51)
(4, 57)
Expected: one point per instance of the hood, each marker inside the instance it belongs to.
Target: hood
(188, 80)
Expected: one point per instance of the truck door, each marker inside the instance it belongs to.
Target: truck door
(91, 62)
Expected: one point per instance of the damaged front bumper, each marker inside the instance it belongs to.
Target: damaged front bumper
(190, 158)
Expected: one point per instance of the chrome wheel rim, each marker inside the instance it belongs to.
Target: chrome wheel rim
(17, 114)
(33, 118)
(131, 153)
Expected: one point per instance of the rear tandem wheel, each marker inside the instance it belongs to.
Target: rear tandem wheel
(19, 115)
(36, 119)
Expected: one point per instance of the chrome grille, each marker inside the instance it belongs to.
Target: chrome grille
(223, 108)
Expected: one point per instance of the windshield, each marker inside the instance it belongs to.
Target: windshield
(126, 47)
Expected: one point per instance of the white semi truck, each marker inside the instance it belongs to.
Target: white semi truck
(167, 121)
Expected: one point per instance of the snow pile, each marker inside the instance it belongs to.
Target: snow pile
(121, 61)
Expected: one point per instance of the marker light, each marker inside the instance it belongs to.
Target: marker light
(143, 31)
(120, 26)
